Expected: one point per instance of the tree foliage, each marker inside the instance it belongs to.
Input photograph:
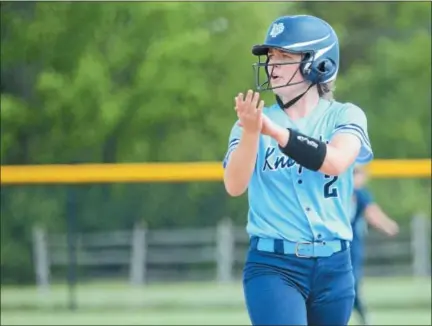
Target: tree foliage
(153, 82)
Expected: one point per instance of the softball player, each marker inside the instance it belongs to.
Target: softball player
(365, 210)
(296, 160)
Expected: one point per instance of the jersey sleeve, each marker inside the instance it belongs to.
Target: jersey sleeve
(233, 141)
(353, 120)
(364, 199)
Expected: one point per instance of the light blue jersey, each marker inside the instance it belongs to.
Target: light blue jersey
(287, 201)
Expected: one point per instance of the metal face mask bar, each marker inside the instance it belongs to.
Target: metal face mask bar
(265, 85)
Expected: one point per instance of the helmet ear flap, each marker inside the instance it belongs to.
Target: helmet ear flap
(326, 68)
(317, 71)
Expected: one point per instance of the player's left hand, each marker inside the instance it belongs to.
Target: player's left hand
(269, 128)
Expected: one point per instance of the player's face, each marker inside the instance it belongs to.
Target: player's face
(282, 74)
(360, 177)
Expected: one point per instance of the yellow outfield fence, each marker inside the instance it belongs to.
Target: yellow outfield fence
(171, 172)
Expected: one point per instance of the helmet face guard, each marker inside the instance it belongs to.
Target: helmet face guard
(263, 79)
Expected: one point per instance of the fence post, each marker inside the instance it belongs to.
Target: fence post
(420, 245)
(225, 247)
(40, 258)
(138, 256)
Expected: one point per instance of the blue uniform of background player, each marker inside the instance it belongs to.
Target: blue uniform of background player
(296, 160)
(364, 211)
(362, 198)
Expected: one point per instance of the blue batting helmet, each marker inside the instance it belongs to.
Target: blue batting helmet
(309, 36)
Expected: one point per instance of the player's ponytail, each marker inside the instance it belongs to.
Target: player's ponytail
(326, 90)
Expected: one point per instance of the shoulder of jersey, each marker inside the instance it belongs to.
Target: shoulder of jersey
(333, 104)
(336, 108)
(344, 105)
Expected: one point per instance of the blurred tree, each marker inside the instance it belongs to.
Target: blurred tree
(120, 82)
(141, 82)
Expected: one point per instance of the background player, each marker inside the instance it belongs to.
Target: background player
(296, 160)
(365, 210)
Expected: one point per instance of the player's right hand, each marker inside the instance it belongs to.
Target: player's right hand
(249, 111)
(392, 228)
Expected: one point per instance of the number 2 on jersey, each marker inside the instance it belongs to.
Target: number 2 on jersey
(330, 191)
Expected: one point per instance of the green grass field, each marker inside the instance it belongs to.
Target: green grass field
(391, 302)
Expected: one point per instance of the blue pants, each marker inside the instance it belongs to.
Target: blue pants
(283, 289)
